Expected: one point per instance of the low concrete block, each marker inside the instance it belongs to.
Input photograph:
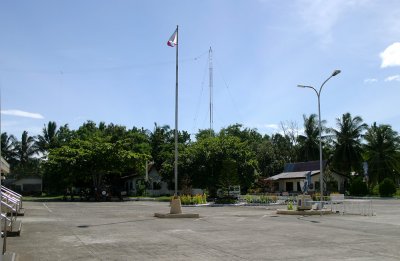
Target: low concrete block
(9, 256)
(181, 215)
(16, 229)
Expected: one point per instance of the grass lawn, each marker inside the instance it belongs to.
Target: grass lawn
(163, 198)
(43, 198)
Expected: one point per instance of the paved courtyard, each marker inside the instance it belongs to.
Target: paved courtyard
(128, 231)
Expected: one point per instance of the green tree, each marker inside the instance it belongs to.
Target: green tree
(203, 161)
(89, 160)
(9, 149)
(387, 188)
(206, 133)
(229, 175)
(269, 158)
(382, 153)
(308, 144)
(347, 155)
(162, 142)
(27, 162)
(49, 139)
(358, 187)
(26, 148)
(283, 148)
(64, 135)
(250, 136)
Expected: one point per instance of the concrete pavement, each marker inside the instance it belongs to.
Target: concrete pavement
(129, 231)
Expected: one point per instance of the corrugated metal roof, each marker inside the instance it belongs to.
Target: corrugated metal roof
(292, 175)
(303, 166)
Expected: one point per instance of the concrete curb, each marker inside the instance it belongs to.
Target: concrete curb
(304, 212)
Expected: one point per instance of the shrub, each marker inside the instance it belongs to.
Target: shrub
(398, 193)
(387, 188)
(375, 190)
(358, 187)
(317, 197)
(248, 198)
(186, 200)
(193, 200)
(263, 199)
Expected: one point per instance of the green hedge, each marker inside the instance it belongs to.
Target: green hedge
(387, 188)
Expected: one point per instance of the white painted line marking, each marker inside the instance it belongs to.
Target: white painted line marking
(47, 208)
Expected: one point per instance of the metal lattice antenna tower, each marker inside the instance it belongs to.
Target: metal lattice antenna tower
(211, 89)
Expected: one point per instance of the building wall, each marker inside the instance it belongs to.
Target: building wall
(283, 186)
(314, 179)
(28, 185)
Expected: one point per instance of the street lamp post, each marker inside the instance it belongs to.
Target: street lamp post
(321, 180)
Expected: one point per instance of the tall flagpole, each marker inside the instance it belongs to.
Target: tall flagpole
(176, 116)
(210, 68)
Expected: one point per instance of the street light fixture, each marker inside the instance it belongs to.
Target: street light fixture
(321, 180)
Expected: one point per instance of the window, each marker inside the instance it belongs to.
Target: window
(289, 186)
(276, 187)
(156, 186)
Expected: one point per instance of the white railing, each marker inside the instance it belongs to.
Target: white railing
(6, 208)
(12, 194)
(5, 223)
(11, 201)
(351, 206)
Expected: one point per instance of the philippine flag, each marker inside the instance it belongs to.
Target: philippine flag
(173, 40)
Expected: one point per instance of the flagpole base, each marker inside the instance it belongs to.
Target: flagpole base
(176, 206)
(176, 210)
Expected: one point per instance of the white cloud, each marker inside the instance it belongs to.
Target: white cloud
(271, 126)
(321, 16)
(391, 55)
(393, 78)
(25, 114)
(263, 128)
(370, 80)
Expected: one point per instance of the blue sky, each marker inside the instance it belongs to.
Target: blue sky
(73, 61)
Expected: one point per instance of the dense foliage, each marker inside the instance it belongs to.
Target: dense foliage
(358, 187)
(387, 188)
(98, 153)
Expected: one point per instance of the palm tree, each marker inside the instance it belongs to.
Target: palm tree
(26, 148)
(8, 147)
(49, 139)
(347, 154)
(382, 152)
(308, 144)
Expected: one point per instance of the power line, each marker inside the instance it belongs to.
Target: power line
(228, 89)
(103, 69)
(200, 97)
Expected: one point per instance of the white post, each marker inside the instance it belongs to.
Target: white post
(176, 116)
